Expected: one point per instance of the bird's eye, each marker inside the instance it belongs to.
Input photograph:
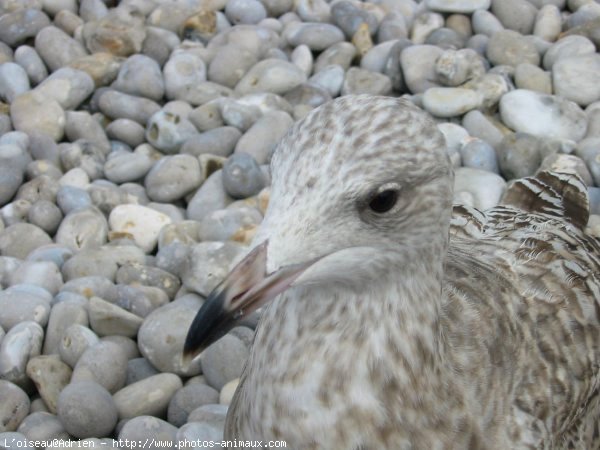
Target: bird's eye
(383, 201)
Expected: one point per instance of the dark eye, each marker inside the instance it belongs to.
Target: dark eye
(383, 201)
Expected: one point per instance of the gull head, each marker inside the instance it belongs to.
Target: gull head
(361, 186)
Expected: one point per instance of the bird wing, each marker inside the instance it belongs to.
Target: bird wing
(522, 316)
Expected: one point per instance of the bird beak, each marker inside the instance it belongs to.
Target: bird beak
(244, 290)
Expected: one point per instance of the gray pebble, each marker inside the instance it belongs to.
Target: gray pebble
(418, 66)
(341, 54)
(533, 78)
(82, 125)
(127, 131)
(330, 78)
(519, 155)
(150, 396)
(451, 102)
(214, 415)
(361, 81)
(543, 115)
(172, 177)
(199, 431)
(187, 399)
(317, 36)
(118, 105)
(239, 115)
(56, 48)
(454, 68)
(461, 6)
(577, 78)
(262, 137)
(50, 376)
(103, 261)
(223, 361)
(548, 23)
(104, 363)
(83, 228)
(219, 141)
(138, 274)
(167, 131)
(393, 26)
(478, 188)
(120, 32)
(207, 116)
(567, 47)
(141, 300)
(91, 10)
(424, 24)
(349, 17)
(107, 319)
(18, 25)
(75, 341)
(20, 239)
(271, 75)
(183, 72)
(7, 266)
(125, 167)
(228, 224)
(32, 111)
(230, 64)
(141, 76)
(22, 303)
(510, 48)
(484, 22)
(45, 215)
(69, 87)
(21, 343)
(10, 181)
(376, 58)
(62, 315)
(13, 81)
(70, 198)
(137, 222)
(242, 176)
(54, 253)
(44, 274)
(139, 369)
(446, 38)
(43, 426)
(149, 429)
(302, 57)
(478, 154)
(518, 15)
(313, 11)
(87, 410)
(245, 11)
(68, 21)
(13, 408)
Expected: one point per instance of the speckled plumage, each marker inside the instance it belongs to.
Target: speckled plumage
(421, 328)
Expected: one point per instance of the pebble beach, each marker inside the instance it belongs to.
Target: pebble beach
(135, 140)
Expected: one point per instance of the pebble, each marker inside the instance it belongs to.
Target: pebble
(127, 131)
(21, 24)
(141, 76)
(104, 363)
(138, 369)
(143, 224)
(361, 81)
(242, 176)
(21, 303)
(82, 228)
(163, 333)
(213, 414)
(260, 139)
(44, 274)
(245, 11)
(50, 376)
(13, 81)
(458, 6)
(533, 78)
(418, 65)
(218, 141)
(567, 47)
(230, 64)
(172, 177)
(62, 315)
(349, 17)
(142, 275)
(86, 409)
(119, 32)
(478, 188)
(75, 341)
(228, 391)
(189, 398)
(168, 131)
(223, 361)
(107, 319)
(548, 23)
(577, 78)
(150, 396)
(149, 429)
(451, 102)
(43, 426)
(271, 75)
(479, 154)
(543, 115)
(118, 105)
(518, 15)
(123, 167)
(340, 54)
(182, 72)
(32, 111)
(56, 48)
(507, 47)
(21, 342)
(519, 155)
(14, 406)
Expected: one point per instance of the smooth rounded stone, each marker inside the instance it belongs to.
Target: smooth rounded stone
(13, 81)
(478, 43)
(182, 73)
(10, 181)
(102, 67)
(150, 396)
(330, 78)
(208, 264)
(478, 154)
(223, 361)
(446, 38)
(242, 176)
(14, 406)
(141, 275)
(53, 253)
(62, 315)
(229, 224)
(568, 47)
(149, 429)
(82, 125)
(210, 197)
(245, 11)
(87, 409)
(577, 78)
(21, 342)
(518, 15)
(585, 14)
(567, 164)
(43, 167)
(107, 196)
(424, 24)
(228, 391)
(519, 155)
(239, 115)
(589, 150)
(349, 16)
(213, 414)
(548, 23)
(69, 87)
(361, 81)
(107, 319)
(8, 265)
(83, 228)
(491, 87)
(70, 198)
(142, 300)
(271, 75)
(167, 132)
(20, 239)
(141, 76)
(316, 36)
(451, 102)
(479, 188)
(199, 432)
(142, 223)
(457, 6)
(119, 32)
(455, 67)
(219, 141)
(93, 286)
(24, 303)
(139, 369)
(44, 274)
(56, 48)
(172, 177)
(118, 105)
(302, 57)
(509, 48)
(187, 399)
(43, 426)
(19, 25)
(461, 23)
(262, 137)
(103, 261)
(50, 376)
(33, 111)
(418, 66)
(341, 54)
(45, 215)
(75, 176)
(230, 64)
(104, 363)
(530, 77)
(454, 135)
(127, 131)
(393, 26)
(126, 167)
(543, 115)
(75, 341)
(376, 58)
(15, 212)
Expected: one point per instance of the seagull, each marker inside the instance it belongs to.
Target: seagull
(391, 319)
